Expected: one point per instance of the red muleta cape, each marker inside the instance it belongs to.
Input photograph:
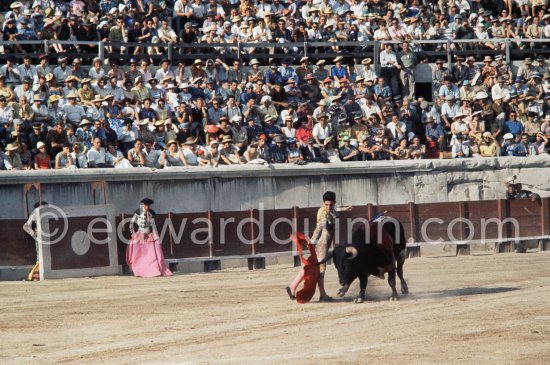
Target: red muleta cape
(311, 269)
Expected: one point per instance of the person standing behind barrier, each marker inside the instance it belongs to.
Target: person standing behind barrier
(408, 61)
(439, 75)
(389, 68)
(322, 238)
(30, 227)
(338, 72)
(144, 252)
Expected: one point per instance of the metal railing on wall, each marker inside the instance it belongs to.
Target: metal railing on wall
(186, 53)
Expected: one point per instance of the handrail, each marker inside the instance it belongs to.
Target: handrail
(173, 51)
(331, 44)
(280, 45)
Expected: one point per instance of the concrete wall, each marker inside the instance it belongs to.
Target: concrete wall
(231, 188)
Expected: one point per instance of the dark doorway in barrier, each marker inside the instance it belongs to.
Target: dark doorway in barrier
(424, 89)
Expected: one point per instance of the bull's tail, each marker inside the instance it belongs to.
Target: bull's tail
(402, 241)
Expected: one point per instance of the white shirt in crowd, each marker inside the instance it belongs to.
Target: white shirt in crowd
(80, 160)
(322, 133)
(97, 157)
(74, 113)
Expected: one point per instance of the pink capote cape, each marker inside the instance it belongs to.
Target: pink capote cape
(144, 256)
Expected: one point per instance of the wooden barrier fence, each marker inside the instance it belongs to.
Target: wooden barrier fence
(222, 234)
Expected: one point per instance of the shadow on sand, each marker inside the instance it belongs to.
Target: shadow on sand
(464, 292)
(378, 297)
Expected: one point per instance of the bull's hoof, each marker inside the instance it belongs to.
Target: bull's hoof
(404, 290)
(394, 298)
(359, 300)
(343, 290)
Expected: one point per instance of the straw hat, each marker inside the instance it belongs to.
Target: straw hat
(482, 95)
(54, 98)
(12, 147)
(127, 111)
(166, 79)
(191, 141)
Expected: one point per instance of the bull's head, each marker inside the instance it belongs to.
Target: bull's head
(341, 255)
(350, 254)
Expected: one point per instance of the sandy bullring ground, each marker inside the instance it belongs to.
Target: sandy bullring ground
(480, 309)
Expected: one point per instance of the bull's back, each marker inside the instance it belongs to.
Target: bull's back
(394, 228)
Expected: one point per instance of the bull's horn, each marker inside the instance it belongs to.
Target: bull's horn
(329, 255)
(352, 251)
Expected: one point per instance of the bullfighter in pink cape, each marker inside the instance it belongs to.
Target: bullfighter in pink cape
(144, 252)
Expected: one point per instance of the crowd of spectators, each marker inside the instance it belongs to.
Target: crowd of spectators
(57, 112)
(259, 21)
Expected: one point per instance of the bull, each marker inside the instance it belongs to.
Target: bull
(382, 251)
